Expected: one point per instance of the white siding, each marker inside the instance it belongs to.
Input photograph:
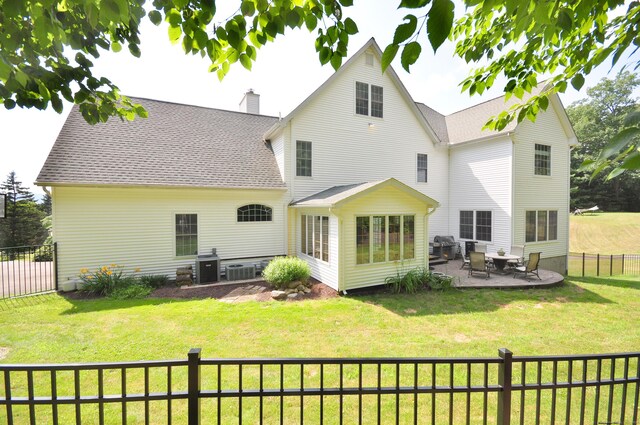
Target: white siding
(325, 272)
(533, 192)
(386, 201)
(481, 179)
(277, 145)
(135, 227)
(346, 149)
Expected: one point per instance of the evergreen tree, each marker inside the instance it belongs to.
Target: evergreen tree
(23, 223)
(45, 204)
(596, 120)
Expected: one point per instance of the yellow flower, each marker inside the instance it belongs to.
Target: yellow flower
(105, 268)
(113, 265)
(109, 272)
(84, 270)
(137, 270)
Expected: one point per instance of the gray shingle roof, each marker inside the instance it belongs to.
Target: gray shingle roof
(178, 145)
(436, 120)
(334, 194)
(466, 125)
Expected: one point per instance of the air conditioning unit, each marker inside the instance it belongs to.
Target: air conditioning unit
(241, 271)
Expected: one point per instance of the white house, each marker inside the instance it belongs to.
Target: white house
(356, 180)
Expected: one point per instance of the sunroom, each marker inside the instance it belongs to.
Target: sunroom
(354, 236)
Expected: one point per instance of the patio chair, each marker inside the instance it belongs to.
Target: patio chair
(530, 268)
(481, 247)
(519, 251)
(478, 263)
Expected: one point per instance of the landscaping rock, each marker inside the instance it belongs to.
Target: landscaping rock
(294, 284)
(300, 288)
(279, 295)
(307, 290)
(292, 296)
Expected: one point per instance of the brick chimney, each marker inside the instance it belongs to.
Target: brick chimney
(250, 103)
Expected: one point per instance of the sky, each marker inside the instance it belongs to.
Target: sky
(285, 73)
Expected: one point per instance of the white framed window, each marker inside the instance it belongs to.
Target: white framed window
(254, 212)
(369, 99)
(303, 158)
(186, 233)
(541, 225)
(476, 225)
(422, 167)
(381, 238)
(542, 160)
(314, 236)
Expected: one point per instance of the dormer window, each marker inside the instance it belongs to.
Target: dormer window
(369, 100)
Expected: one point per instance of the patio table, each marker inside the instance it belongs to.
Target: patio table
(500, 261)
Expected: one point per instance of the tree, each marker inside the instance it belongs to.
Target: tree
(521, 40)
(23, 224)
(596, 120)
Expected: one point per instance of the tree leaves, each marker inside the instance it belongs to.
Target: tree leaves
(410, 54)
(440, 22)
(406, 30)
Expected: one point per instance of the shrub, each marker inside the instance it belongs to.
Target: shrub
(411, 282)
(154, 280)
(283, 270)
(44, 253)
(134, 290)
(439, 281)
(105, 280)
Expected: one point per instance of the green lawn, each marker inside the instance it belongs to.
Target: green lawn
(605, 233)
(583, 316)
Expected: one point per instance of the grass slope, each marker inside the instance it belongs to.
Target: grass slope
(454, 323)
(591, 315)
(605, 233)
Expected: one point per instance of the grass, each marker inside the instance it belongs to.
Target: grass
(583, 316)
(453, 323)
(605, 233)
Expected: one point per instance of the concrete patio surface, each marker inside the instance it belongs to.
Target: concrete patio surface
(497, 280)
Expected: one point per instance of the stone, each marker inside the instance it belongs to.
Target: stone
(294, 284)
(301, 288)
(279, 295)
(292, 296)
(307, 290)
(69, 285)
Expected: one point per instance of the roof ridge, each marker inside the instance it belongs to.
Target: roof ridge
(169, 102)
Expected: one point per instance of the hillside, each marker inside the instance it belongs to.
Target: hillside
(605, 233)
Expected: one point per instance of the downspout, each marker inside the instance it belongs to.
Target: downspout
(340, 259)
(425, 261)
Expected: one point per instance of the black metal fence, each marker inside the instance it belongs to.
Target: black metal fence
(26, 270)
(501, 390)
(583, 264)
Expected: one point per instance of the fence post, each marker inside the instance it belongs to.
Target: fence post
(194, 386)
(504, 380)
(623, 264)
(611, 265)
(583, 255)
(598, 264)
(55, 264)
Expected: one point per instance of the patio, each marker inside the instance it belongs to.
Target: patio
(497, 280)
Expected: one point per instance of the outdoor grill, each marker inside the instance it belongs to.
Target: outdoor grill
(445, 246)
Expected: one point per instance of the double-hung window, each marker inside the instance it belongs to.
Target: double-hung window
(541, 225)
(186, 234)
(422, 168)
(381, 238)
(369, 99)
(303, 158)
(314, 236)
(542, 160)
(476, 225)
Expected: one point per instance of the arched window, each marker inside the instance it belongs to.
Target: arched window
(254, 212)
